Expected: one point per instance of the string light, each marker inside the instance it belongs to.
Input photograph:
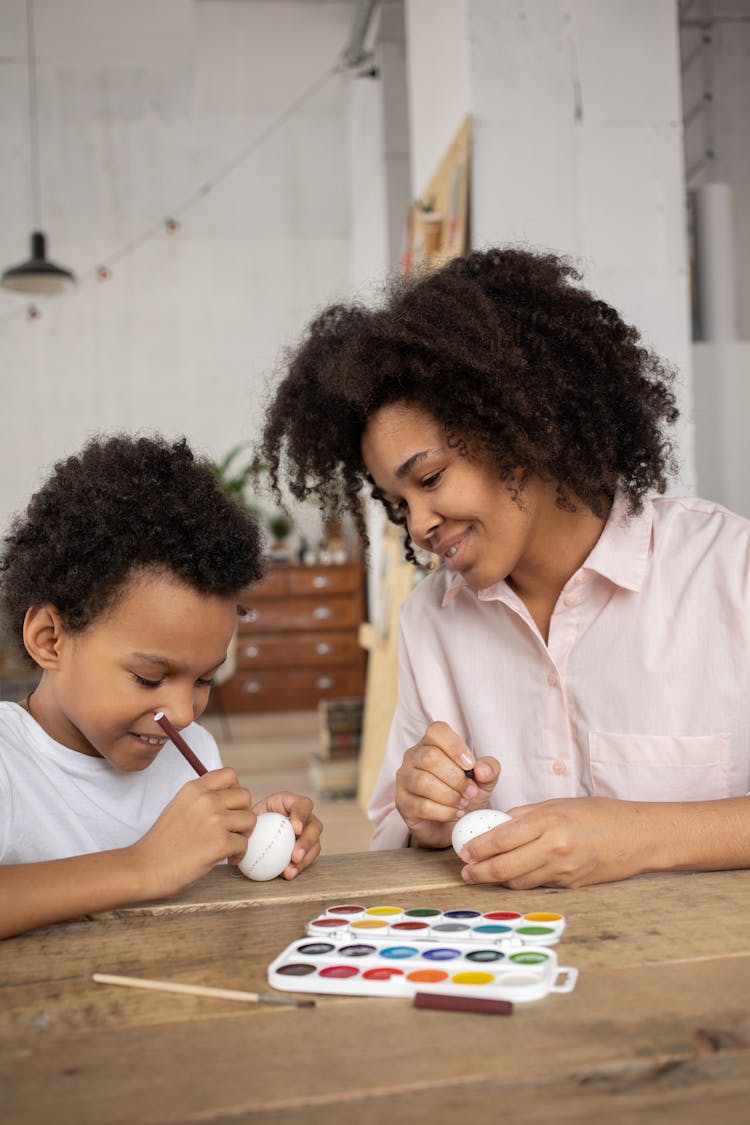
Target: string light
(171, 223)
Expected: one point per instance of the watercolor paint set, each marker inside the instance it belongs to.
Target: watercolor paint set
(385, 951)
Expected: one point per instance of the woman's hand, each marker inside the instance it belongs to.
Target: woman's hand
(307, 827)
(566, 842)
(432, 789)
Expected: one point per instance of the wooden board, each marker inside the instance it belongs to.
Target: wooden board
(438, 225)
(657, 1028)
(381, 689)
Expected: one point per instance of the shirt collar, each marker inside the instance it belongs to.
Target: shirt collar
(621, 551)
(620, 554)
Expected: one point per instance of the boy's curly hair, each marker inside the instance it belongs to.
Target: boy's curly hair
(509, 354)
(121, 505)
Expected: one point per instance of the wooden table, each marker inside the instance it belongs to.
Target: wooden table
(657, 1029)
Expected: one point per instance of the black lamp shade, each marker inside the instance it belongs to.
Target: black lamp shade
(37, 274)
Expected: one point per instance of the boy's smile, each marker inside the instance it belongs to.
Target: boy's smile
(155, 649)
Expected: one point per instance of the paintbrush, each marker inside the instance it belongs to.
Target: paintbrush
(469, 773)
(180, 743)
(201, 990)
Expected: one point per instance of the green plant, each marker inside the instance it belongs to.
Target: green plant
(234, 476)
(279, 525)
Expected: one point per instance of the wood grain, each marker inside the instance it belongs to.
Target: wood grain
(657, 1028)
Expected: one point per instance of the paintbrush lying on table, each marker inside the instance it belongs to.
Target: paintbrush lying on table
(201, 990)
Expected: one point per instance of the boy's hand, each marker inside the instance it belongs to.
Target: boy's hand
(307, 827)
(432, 789)
(208, 820)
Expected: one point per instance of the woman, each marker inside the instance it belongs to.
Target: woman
(580, 657)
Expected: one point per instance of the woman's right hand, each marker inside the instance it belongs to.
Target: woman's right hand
(208, 820)
(432, 789)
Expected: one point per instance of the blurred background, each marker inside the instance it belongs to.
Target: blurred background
(212, 172)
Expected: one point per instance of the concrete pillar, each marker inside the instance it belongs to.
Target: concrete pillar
(577, 146)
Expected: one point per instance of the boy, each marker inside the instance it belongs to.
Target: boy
(120, 583)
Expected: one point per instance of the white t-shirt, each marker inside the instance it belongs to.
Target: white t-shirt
(56, 802)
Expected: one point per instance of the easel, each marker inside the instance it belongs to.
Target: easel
(438, 226)
(381, 690)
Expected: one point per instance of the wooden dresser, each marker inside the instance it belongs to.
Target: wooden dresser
(299, 642)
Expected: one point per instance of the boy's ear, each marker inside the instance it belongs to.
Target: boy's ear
(42, 634)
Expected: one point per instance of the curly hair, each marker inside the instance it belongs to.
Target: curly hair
(509, 354)
(123, 504)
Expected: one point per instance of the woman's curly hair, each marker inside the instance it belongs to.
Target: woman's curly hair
(121, 505)
(509, 354)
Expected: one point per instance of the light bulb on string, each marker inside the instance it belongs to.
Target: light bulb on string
(37, 274)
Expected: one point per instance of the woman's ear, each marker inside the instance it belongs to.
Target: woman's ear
(42, 633)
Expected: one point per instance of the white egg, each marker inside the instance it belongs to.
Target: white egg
(474, 824)
(269, 848)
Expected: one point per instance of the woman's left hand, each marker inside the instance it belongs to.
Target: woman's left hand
(566, 842)
(307, 827)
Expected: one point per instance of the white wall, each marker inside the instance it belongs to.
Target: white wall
(715, 37)
(379, 151)
(439, 80)
(722, 410)
(577, 146)
(381, 193)
(139, 105)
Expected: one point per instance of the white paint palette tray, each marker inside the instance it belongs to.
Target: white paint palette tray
(390, 951)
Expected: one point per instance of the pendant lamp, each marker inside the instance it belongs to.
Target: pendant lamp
(37, 274)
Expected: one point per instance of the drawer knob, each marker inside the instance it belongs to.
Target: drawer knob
(250, 615)
(252, 687)
(323, 649)
(320, 581)
(325, 682)
(321, 612)
(252, 650)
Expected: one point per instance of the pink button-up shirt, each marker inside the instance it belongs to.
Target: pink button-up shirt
(641, 693)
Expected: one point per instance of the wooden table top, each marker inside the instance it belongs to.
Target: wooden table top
(657, 1028)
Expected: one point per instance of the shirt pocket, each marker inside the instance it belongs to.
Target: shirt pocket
(660, 767)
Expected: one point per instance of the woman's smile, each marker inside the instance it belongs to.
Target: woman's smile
(457, 506)
(454, 503)
(454, 553)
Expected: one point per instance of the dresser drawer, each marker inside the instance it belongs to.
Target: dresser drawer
(289, 689)
(274, 650)
(299, 642)
(290, 580)
(325, 579)
(303, 614)
(274, 584)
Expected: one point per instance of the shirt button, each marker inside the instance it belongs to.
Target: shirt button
(559, 768)
(551, 679)
(570, 599)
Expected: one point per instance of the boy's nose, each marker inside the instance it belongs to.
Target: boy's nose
(179, 709)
